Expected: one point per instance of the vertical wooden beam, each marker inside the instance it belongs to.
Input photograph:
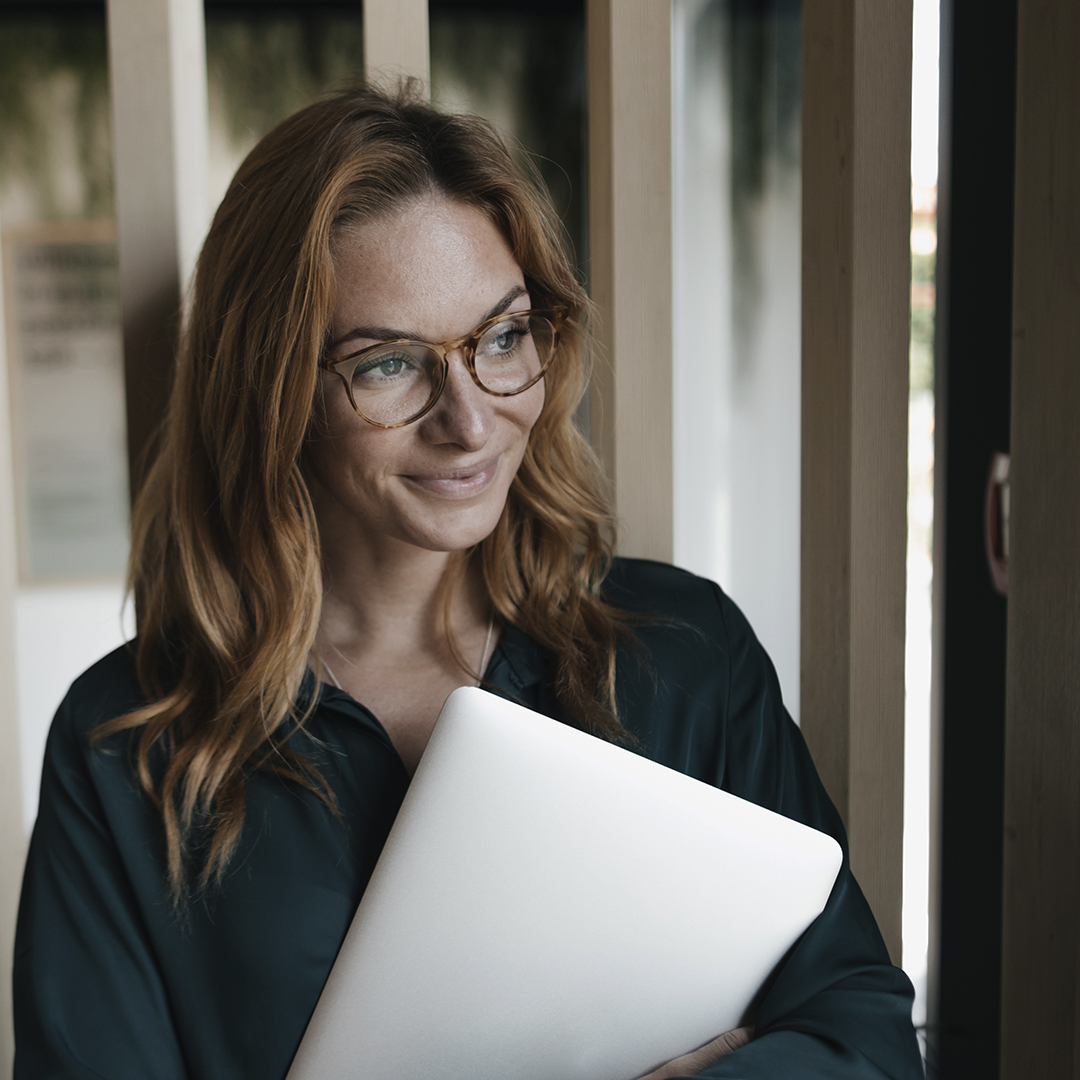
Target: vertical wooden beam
(157, 69)
(855, 310)
(1041, 909)
(12, 835)
(396, 39)
(630, 262)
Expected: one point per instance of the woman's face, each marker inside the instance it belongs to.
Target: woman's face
(431, 271)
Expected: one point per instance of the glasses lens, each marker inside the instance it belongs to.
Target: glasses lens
(514, 352)
(392, 385)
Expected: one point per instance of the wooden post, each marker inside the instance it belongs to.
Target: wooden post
(630, 262)
(157, 67)
(1040, 1020)
(855, 309)
(12, 835)
(396, 40)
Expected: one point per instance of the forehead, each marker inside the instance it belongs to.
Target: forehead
(432, 268)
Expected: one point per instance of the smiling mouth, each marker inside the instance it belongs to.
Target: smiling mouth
(457, 483)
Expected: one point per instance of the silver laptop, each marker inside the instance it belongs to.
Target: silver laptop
(549, 906)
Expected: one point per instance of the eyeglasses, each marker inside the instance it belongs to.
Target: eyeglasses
(396, 382)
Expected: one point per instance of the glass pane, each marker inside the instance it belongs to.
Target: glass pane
(265, 61)
(737, 378)
(924, 168)
(521, 66)
(60, 295)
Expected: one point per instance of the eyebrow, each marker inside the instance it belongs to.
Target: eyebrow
(383, 333)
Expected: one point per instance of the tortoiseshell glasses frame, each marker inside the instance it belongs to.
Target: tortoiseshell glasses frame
(394, 383)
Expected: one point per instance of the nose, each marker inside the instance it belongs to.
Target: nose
(464, 415)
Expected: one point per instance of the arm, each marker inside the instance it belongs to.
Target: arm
(700, 695)
(837, 1007)
(89, 998)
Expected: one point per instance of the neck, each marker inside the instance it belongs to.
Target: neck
(393, 600)
(386, 629)
(387, 596)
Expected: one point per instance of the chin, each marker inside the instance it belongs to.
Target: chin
(469, 529)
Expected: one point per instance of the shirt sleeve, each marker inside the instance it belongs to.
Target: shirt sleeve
(90, 1002)
(837, 1008)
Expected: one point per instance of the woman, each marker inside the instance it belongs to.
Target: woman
(370, 489)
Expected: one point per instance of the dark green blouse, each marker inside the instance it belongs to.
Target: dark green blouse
(109, 984)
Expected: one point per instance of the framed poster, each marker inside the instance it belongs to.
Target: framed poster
(65, 364)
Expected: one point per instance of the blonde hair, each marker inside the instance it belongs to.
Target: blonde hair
(225, 564)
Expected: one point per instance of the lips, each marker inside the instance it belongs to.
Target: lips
(460, 483)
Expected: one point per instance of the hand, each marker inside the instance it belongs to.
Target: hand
(691, 1064)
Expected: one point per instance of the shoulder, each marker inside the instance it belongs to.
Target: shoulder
(701, 694)
(82, 782)
(104, 691)
(677, 599)
(648, 587)
(696, 668)
(689, 639)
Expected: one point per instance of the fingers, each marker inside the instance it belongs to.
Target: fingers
(693, 1063)
(712, 1052)
(730, 1040)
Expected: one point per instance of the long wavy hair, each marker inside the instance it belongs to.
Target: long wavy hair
(225, 565)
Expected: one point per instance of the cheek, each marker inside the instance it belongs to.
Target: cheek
(527, 407)
(519, 417)
(340, 444)
(329, 422)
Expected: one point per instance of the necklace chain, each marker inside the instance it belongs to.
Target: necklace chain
(483, 656)
(487, 644)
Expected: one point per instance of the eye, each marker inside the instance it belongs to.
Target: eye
(506, 338)
(392, 365)
(503, 340)
(383, 367)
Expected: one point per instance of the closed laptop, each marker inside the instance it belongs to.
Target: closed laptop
(550, 906)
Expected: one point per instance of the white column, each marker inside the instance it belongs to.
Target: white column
(157, 66)
(630, 263)
(396, 40)
(12, 834)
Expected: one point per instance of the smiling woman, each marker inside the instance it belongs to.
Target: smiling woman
(436, 267)
(279, 531)
(370, 491)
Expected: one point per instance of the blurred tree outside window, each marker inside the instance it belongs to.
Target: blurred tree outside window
(737, 371)
(61, 294)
